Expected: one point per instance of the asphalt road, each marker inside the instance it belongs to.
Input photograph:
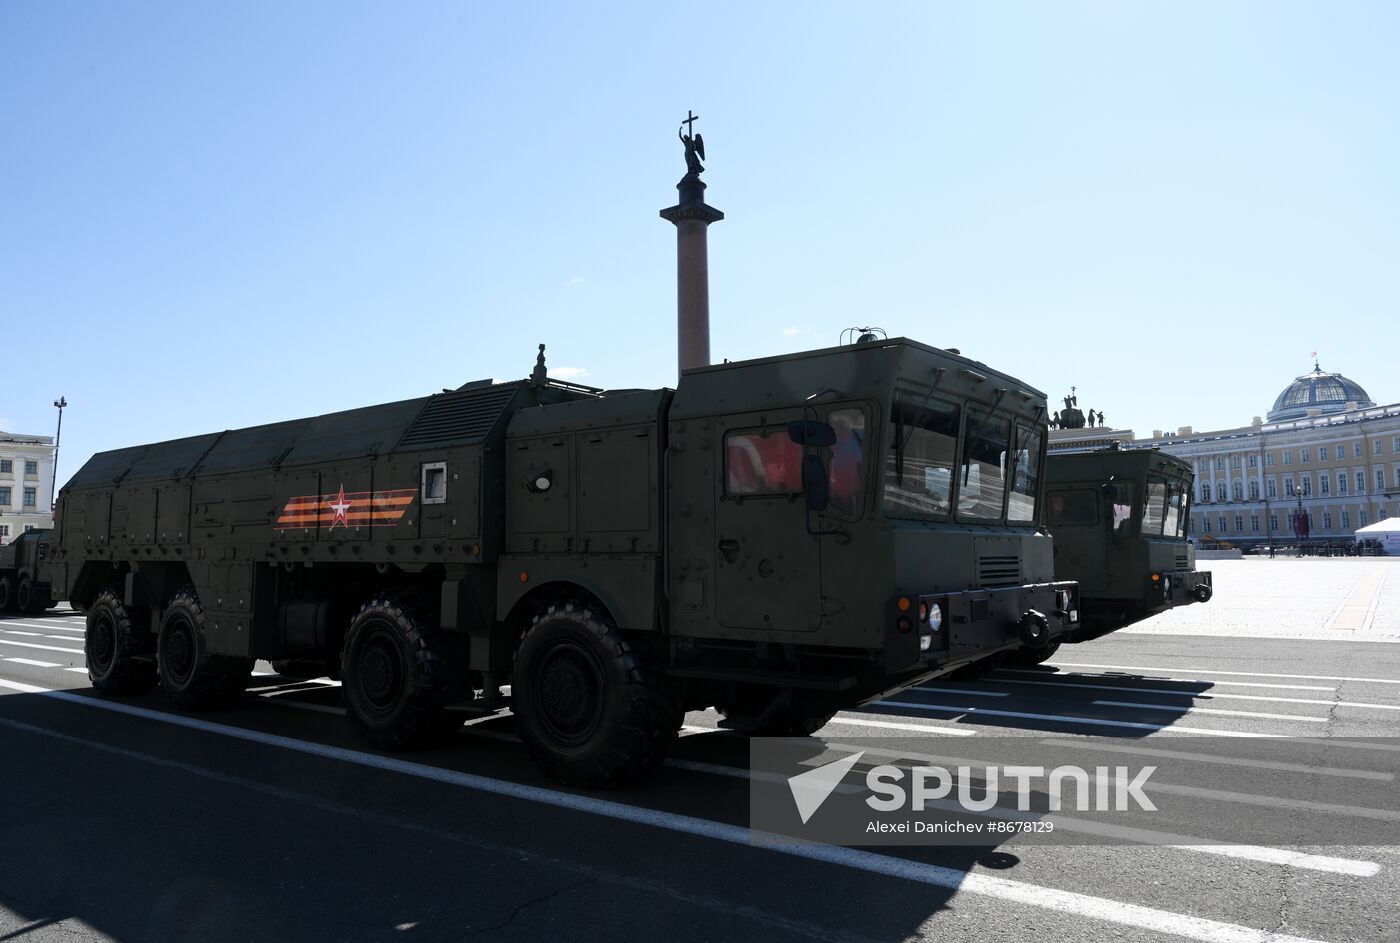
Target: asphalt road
(127, 820)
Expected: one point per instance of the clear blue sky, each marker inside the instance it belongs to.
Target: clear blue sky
(215, 215)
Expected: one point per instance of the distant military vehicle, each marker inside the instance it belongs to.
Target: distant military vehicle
(1119, 522)
(780, 538)
(24, 577)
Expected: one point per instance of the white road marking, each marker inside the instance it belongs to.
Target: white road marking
(1210, 695)
(63, 638)
(1091, 721)
(971, 691)
(36, 664)
(1192, 709)
(17, 632)
(30, 625)
(1070, 902)
(1213, 683)
(1225, 760)
(841, 720)
(80, 670)
(1240, 674)
(47, 648)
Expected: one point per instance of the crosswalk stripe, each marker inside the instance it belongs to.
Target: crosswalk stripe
(1193, 709)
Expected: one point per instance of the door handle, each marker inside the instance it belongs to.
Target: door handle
(729, 549)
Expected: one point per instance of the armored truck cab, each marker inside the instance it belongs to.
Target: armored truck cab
(779, 538)
(24, 573)
(1119, 522)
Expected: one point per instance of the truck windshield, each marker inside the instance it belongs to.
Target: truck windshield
(919, 464)
(1118, 499)
(1154, 512)
(982, 475)
(1025, 480)
(1175, 523)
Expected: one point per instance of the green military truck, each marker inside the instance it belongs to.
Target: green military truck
(1119, 521)
(24, 574)
(778, 538)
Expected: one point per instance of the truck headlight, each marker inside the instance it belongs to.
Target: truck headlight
(925, 642)
(1166, 584)
(1062, 599)
(935, 617)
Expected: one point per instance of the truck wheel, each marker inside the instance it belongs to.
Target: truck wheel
(30, 600)
(190, 677)
(394, 676)
(7, 594)
(585, 704)
(119, 660)
(1029, 657)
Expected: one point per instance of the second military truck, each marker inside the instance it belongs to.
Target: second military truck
(778, 538)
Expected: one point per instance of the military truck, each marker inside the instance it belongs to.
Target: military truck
(24, 576)
(778, 538)
(1119, 522)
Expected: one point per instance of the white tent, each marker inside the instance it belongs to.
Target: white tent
(1386, 531)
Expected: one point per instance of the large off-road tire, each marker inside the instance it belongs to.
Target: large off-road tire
(120, 652)
(395, 676)
(190, 677)
(1029, 657)
(588, 708)
(8, 589)
(31, 599)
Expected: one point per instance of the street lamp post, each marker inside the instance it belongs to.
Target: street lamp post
(61, 402)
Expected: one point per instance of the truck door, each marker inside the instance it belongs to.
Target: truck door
(767, 567)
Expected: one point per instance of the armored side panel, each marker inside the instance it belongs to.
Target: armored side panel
(582, 504)
(341, 505)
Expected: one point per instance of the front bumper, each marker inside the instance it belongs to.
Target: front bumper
(1179, 588)
(946, 630)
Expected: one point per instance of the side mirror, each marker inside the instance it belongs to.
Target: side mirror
(812, 432)
(815, 487)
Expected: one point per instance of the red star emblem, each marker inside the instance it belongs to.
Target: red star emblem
(340, 505)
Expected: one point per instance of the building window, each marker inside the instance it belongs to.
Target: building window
(1376, 447)
(1224, 525)
(1395, 446)
(1304, 455)
(1382, 513)
(31, 469)
(1380, 479)
(1326, 520)
(1341, 482)
(7, 467)
(4, 497)
(1254, 461)
(1254, 491)
(1239, 523)
(1220, 464)
(1346, 521)
(1205, 491)
(1361, 518)
(1205, 524)
(1307, 485)
(1272, 488)
(1254, 523)
(4, 530)
(1269, 459)
(1288, 458)
(1288, 486)
(1273, 523)
(1239, 491)
(1356, 449)
(31, 498)
(1324, 482)
(1396, 469)
(1341, 453)
(1360, 482)
(1234, 461)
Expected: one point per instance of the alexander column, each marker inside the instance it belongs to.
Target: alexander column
(692, 216)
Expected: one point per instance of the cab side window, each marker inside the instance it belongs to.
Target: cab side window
(1073, 506)
(763, 461)
(845, 469)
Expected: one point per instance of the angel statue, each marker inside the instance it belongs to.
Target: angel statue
(694, 146)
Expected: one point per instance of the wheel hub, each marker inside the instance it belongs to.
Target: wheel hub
(102, 642)
(179, 652)
(381, 674)
(569, 694)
